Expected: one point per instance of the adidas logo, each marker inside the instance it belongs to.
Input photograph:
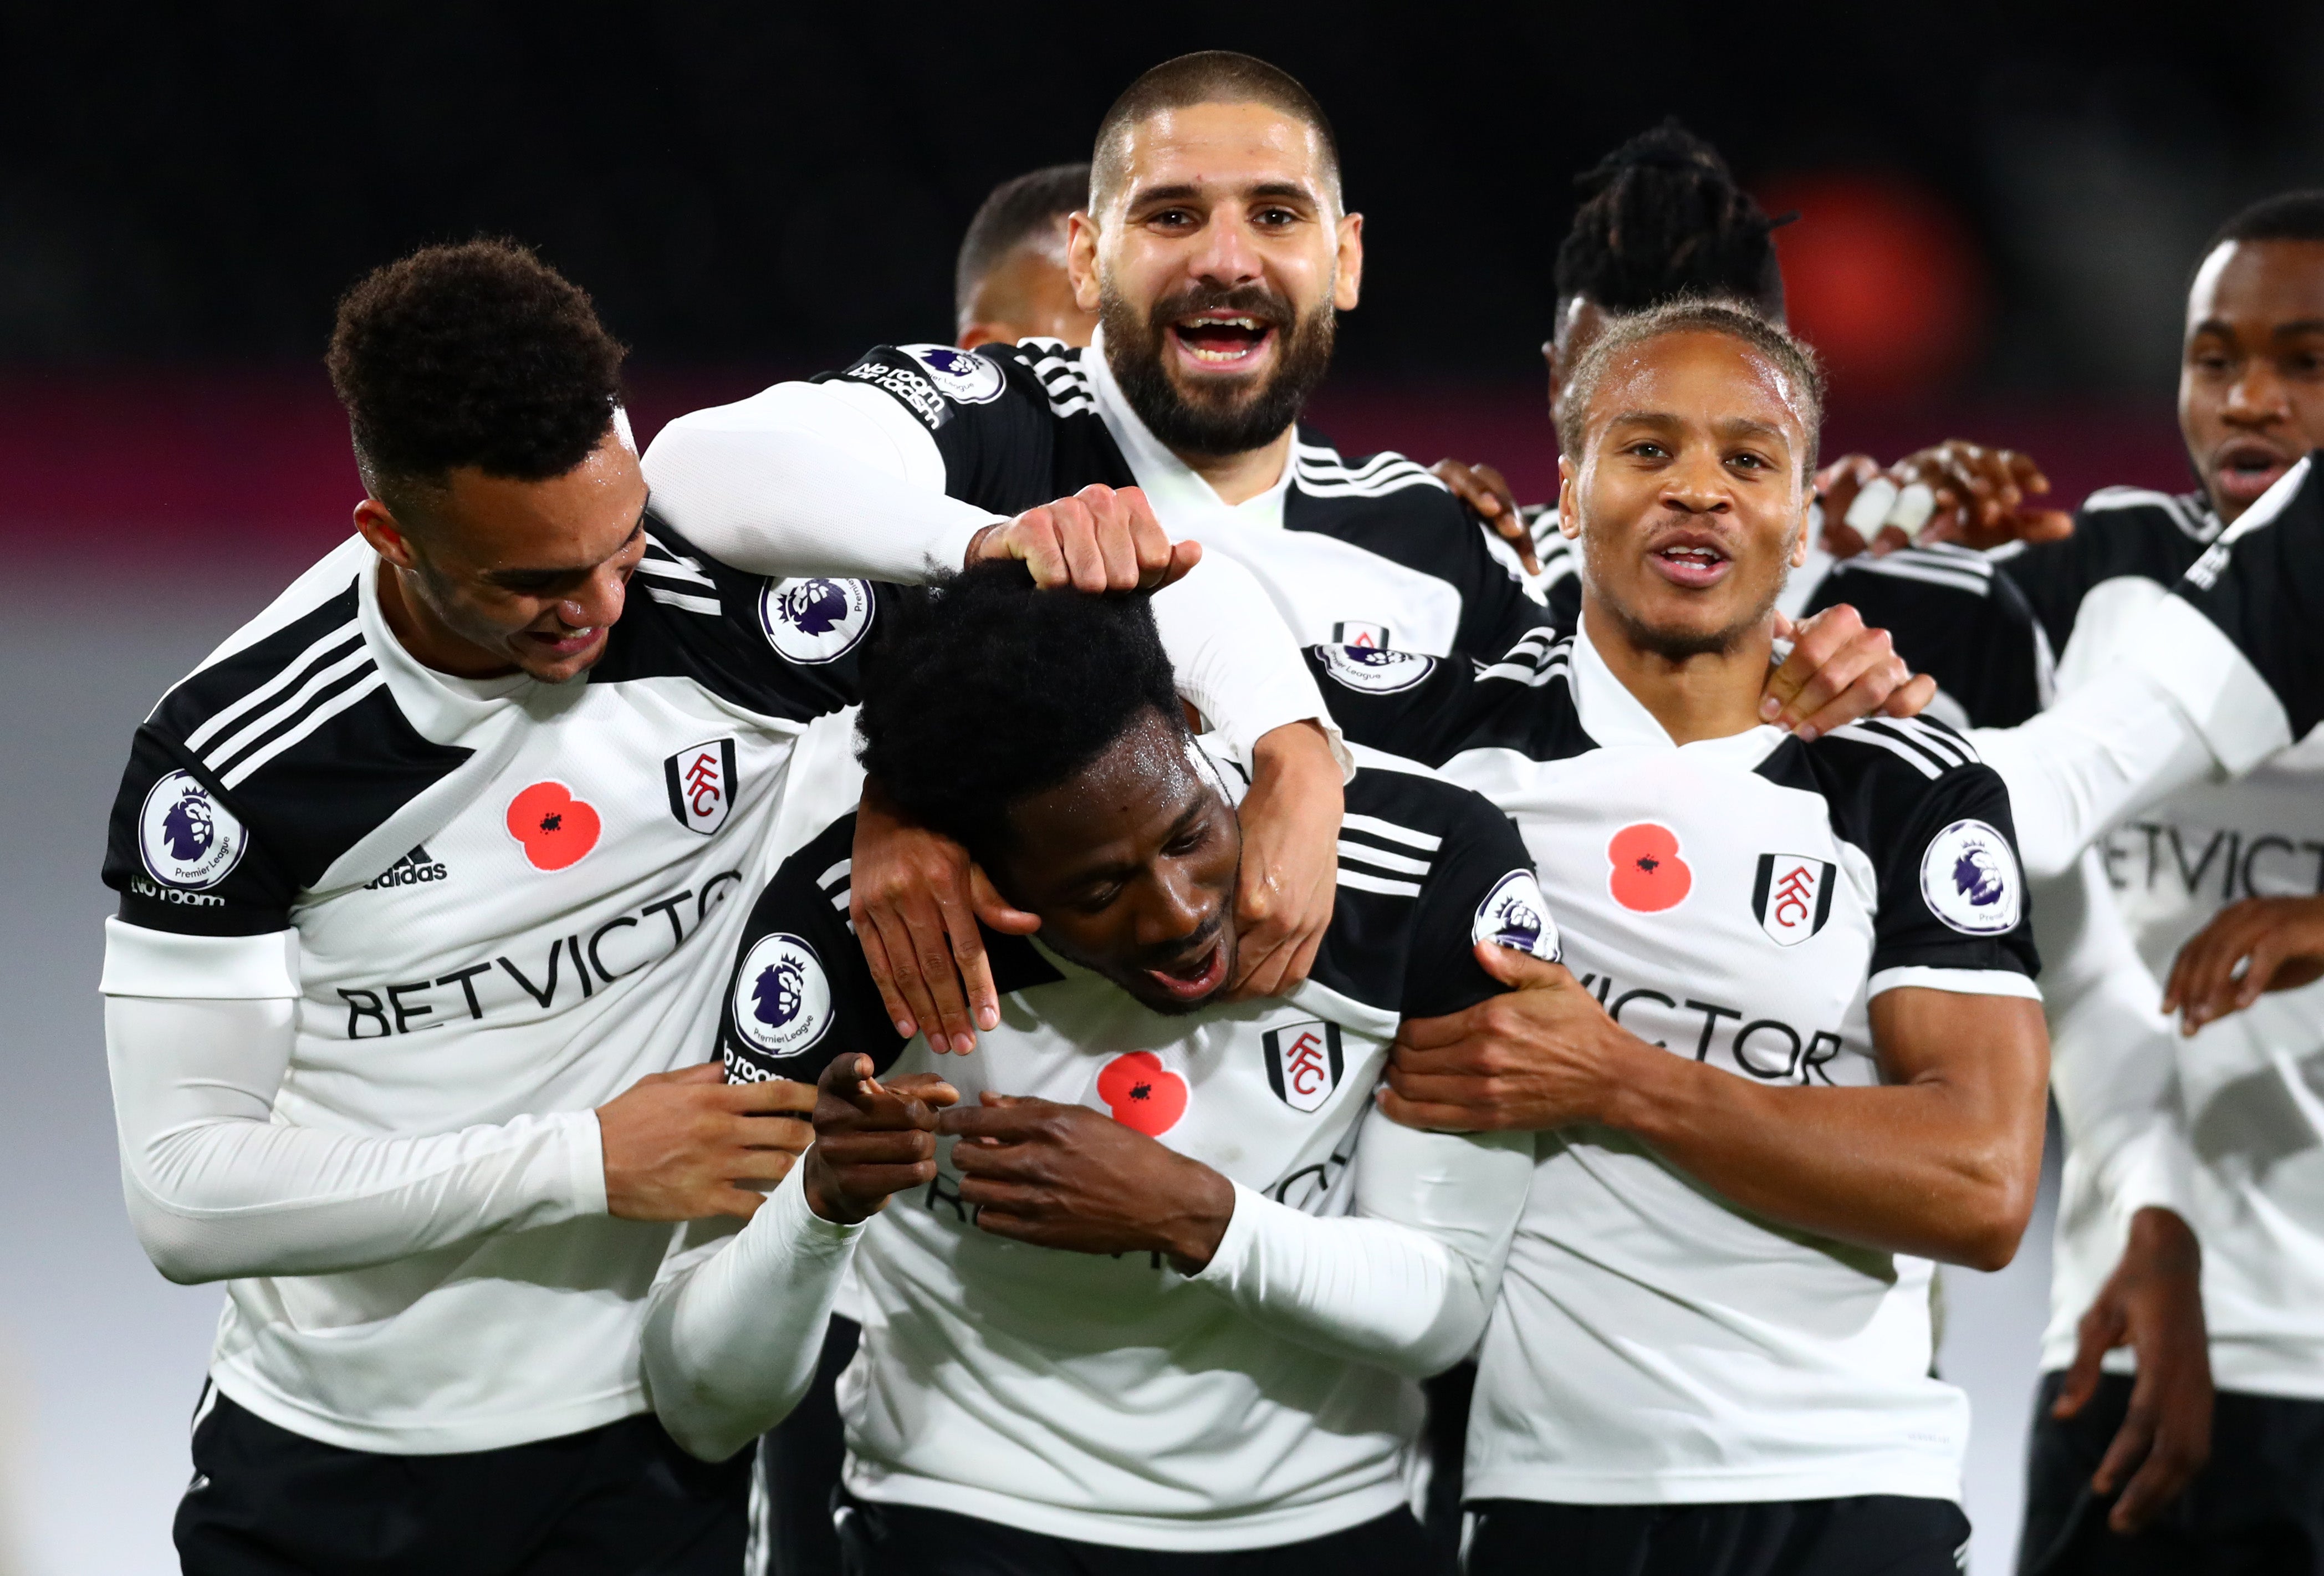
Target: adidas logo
(409, 870)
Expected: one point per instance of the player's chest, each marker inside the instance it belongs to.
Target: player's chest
(566, 856)
(2174, 866)
(1336, 594)
(1709, 910)
(1268, 1097)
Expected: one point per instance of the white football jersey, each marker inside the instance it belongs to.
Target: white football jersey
(1108, 1400)
(1737, 901)
(500, 899)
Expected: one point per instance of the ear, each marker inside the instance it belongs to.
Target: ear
(1081, 260)
(1800, 539)
(1569, 518)
(388, 538)
(1350, 277)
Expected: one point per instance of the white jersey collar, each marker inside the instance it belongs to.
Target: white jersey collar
(1182, 501)
(1613, 717)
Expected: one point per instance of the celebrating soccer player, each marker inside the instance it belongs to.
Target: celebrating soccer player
(425, 889)
(1212, 1362)
(1009, 282)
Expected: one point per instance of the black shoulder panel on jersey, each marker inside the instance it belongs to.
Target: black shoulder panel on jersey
(2118, 531)
(1934, 821)
(1386, 504)
(1016, 424)
(782, 648)
(257, 772)
(801, 994)
(1952, 617)
(1430, 709)
(2263, 585)
(1428, 869)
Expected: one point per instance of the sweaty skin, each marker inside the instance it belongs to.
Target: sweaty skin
(2250, 382)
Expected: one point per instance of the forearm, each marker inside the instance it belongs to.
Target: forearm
(1408, 1281)
(733, 1332)
(801, 479)
(216, 1189)
(1904, 1169)
(1235, 658)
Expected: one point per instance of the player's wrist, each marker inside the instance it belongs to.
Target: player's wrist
(1642, 1089)
(1206, 1208)
(2161, 1242)
(827, 1200)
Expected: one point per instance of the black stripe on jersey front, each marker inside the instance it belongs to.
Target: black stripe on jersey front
(2263, 585)
(302, 808)
(2119, 532)
(1953, 619)
(1404, 954)
(1458, 707)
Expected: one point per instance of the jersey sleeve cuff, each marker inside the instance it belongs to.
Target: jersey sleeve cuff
(1238, 1247)
(584, 1161)
(1959, 981)
(2154, 1170)
(167, 964)
(2212, 684)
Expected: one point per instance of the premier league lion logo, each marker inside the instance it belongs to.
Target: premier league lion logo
(1374, 669)
(188, 829)
(776, 999)
(189, 839)
(962, 376)
(1513, 914)
(781, 1007)
(815, 619)
(1969, 880)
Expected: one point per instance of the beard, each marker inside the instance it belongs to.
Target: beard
(1227, 416)
(1677, 643)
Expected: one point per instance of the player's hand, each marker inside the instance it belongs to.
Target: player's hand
(871, 1139)
(1484, 490)
(1065, 1176)
(1290, 860)
(2153, 1303)
(915, 898)
(2250, 946)
(1837, 487)
(682, 1146)
(1984, 496)
(1544, 1055)
(1838, 671)
(1102, 539)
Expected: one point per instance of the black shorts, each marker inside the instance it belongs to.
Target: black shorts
(801, 1458)
(620, 1500)
(1872, 1534)
(905, 1540)
(2258, 1506)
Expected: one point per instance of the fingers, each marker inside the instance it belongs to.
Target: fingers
(2101, 1331)
(996, 910)
(1911, 698)
(1102, 539)
(1486, 491)
(2130, 1442)
(958, 907)
(773, 1097)
(1831, 651)
(1869, 692)
(899, 951)
(1014, 1122)
(883, 972)
(1428, 1118)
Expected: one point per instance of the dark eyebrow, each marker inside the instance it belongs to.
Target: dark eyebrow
(511, 577)
(1282, 189)
(2300, 326)
(1181, 192)
(1748, 427)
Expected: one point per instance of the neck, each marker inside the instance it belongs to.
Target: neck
(1237, 478)
(1713, 695)
(422, 634)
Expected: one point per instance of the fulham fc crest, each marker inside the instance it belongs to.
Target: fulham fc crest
(1302, 1063)
(701, 781)
(1792, 897)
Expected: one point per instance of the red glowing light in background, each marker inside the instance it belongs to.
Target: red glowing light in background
(1882, 278)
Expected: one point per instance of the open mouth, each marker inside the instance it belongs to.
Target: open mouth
(1197, 978)
(1223, 341)
(562, 643)
(2246, 468)
(1692, 564)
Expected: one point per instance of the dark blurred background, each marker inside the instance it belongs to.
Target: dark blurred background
(1999, 204)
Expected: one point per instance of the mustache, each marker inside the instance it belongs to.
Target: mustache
(1195, 946)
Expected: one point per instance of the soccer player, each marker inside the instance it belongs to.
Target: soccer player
(425, 885)
(1665, 217)
(1010, 282)
(1212, 1366)
(1803, 1054)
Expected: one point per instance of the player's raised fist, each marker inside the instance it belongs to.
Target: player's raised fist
(1102, 539)
(871, 1139)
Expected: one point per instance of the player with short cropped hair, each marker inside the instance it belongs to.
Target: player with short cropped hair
(1146, 1314)
(1799, 1055)
(425, 879)
(1009, 282)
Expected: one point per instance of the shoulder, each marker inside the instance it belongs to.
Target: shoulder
(1942, 566)
(940, 383)
(1887, 780)
(1320, 471)
(2141, 509)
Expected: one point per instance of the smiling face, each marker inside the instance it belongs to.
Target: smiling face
(1216, 260)
(1689, 492)
(1130, 864)
(2251, 385)
(490, 574)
